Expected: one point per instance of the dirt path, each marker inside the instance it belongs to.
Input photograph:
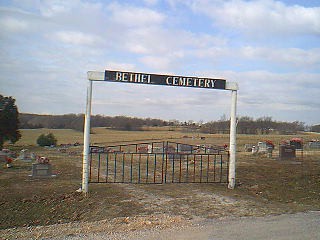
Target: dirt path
(194, 202)
(179, 209)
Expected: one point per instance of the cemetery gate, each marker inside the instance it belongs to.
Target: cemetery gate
(169, 161)
(158, 163)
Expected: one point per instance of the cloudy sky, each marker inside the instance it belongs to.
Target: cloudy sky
(270, 48)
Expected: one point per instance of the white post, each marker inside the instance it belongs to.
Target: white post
(233, 144)
(86, 141)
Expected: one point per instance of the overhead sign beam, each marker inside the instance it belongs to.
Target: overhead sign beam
(167, 80)
(158, 79)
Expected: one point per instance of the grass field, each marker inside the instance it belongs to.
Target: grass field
(264, 185)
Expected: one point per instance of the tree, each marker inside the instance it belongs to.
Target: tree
(47, 140)
(9, 122)
(315, 128)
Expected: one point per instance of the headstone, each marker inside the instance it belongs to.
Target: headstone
(42, 169)
(176, 156)
(143, 149)
(3, 157)
(287, 152)
(25, 155)
(254, 150)
(158, 150)
(269, 150)
(185, 148)
(314, 144)
(6, 156)
(262, 146)
(149, 148)
(297, 143)
(248, 147)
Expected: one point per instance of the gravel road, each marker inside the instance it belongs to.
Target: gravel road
(282, 227)
(297, 226)
(162, 227)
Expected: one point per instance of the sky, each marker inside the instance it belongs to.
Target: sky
(270, 48)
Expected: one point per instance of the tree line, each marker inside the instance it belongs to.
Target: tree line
(248, 125)
(76, 122)
(245, 125)
(11, 121)
(315, 128)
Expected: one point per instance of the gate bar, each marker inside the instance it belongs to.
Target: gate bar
(107, 167)
(99, 160)
(155, 167)
(115, 168)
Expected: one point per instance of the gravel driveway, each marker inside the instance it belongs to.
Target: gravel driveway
(283, 227)
(297, 226)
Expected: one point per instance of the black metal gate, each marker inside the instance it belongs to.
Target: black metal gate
(157, 164)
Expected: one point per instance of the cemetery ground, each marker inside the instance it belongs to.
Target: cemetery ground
(36, 208)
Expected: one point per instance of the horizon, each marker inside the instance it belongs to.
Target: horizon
(169, 120)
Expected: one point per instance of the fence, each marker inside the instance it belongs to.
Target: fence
(168, 166)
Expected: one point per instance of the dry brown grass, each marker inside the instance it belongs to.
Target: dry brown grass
(264, 185)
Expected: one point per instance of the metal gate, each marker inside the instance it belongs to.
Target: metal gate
(149, 163)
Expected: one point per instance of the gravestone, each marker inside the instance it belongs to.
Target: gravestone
(26, 155)
(3, 157)
(6, 156)
(248, 147)
(150, 148)
(287, 152)
(185, 148)
(42, 169)
(297, 142)
(314, 145)
(262, 146)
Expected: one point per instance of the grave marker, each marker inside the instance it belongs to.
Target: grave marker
(287, 152)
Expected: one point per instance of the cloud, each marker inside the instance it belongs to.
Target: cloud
(294, 57)
(264, 57)
(157, 62)
(131, 16)
(260, 18)
(76, 38)
(50, 45)
(151, 2)
(268, 92)
(160, 40)
(52, 8)
(11, 24)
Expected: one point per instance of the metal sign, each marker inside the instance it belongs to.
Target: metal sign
(167, 80)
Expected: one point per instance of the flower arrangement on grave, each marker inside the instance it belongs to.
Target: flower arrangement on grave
(269, 144)
(43, 160)
(9, 162)
(296, 140)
